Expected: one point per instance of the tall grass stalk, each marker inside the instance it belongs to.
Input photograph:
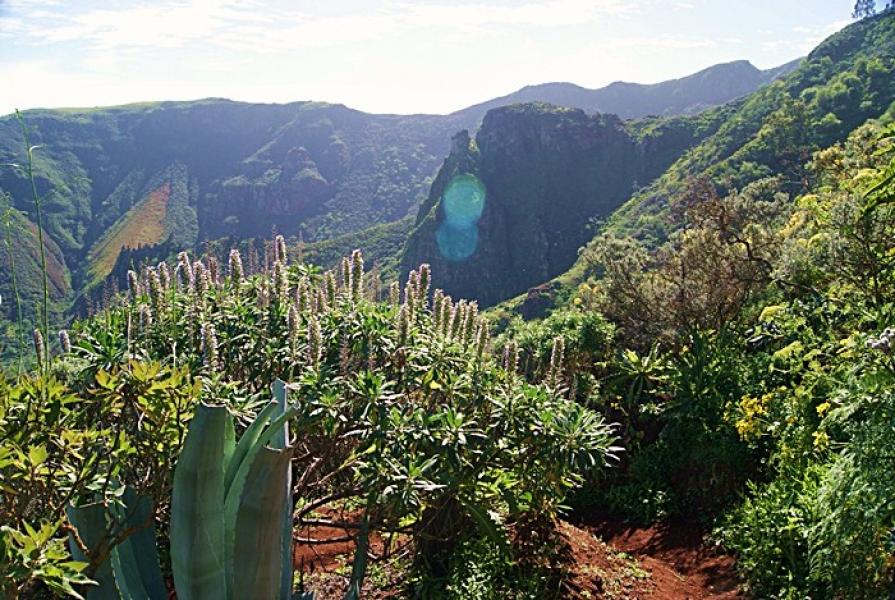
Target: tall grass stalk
(20, 323)
(29, 168)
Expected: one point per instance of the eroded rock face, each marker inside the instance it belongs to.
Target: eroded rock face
(547, 173)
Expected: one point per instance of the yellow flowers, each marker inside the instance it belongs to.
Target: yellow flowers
(821, 440)
(823, 408)
(750, 424)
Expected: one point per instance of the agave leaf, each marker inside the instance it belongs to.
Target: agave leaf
(92, 527)
(280, 394)
(258, 559)
(197, 507)
(135, 564)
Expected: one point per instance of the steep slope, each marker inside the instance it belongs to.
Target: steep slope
(546, 173)
(713, 86)
(511, 209)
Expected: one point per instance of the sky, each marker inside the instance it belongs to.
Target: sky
(387, 56)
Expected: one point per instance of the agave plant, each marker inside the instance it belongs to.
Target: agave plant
(231, 517)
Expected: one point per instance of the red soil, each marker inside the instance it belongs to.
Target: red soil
(602, 559)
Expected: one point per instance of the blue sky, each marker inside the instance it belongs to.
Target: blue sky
(399, 56)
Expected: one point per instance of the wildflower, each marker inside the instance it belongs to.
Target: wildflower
(145, 317)
(410, 290)
(213, 270)
(329, 279)
(511, 357)
(293, 321)
(64, 341)
(821, 440)
(320, 304)
(280, 281)
(823, 408)
(302, 296)
(481, 340)
(155, 289)
(556, 358)
(447, 309)
(472, 312)
(183, 261)
(133, 284)
(280, 249)
(209, 346)
(164, 276)
(437, 299)
(403, 324)
(425, 280)
(39, 347)
(236, 270)
(315, 342)
(201, 278)
(346, 273)
(394, 293)
(357, 275)
(457, 317)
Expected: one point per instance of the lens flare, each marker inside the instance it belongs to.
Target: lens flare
(463, 202)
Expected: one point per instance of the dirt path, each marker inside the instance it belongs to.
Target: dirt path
(604, 559)
(679, 562)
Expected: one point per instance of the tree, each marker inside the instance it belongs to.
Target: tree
(864, 8)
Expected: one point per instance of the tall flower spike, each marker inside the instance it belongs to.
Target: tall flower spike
(280, 244)
(330, 279)
(357, 275)
(425, 280)
(394, 293)
(315, 342)
(457, 320)
(321, 304)
(213, 275)
(280, 281)
(511, 357)
(155, 289)
(64, 341)
(209, 346)
(403, 324)
(346, 273)
(447, 310)
(201, 280)
(178, 278)
(437, 299)
(481, 339)
(556, 358)
(164, 276)
(293, 322)
(133, 284)
(410, 290)
(145, 316)
(236, 270)
(39, 347)
(469, 323)
(183, 260)
(302, 296)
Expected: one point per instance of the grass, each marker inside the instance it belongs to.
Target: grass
(142, 225)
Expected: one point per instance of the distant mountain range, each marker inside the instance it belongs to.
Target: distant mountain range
(138, 182)
(715, 85)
